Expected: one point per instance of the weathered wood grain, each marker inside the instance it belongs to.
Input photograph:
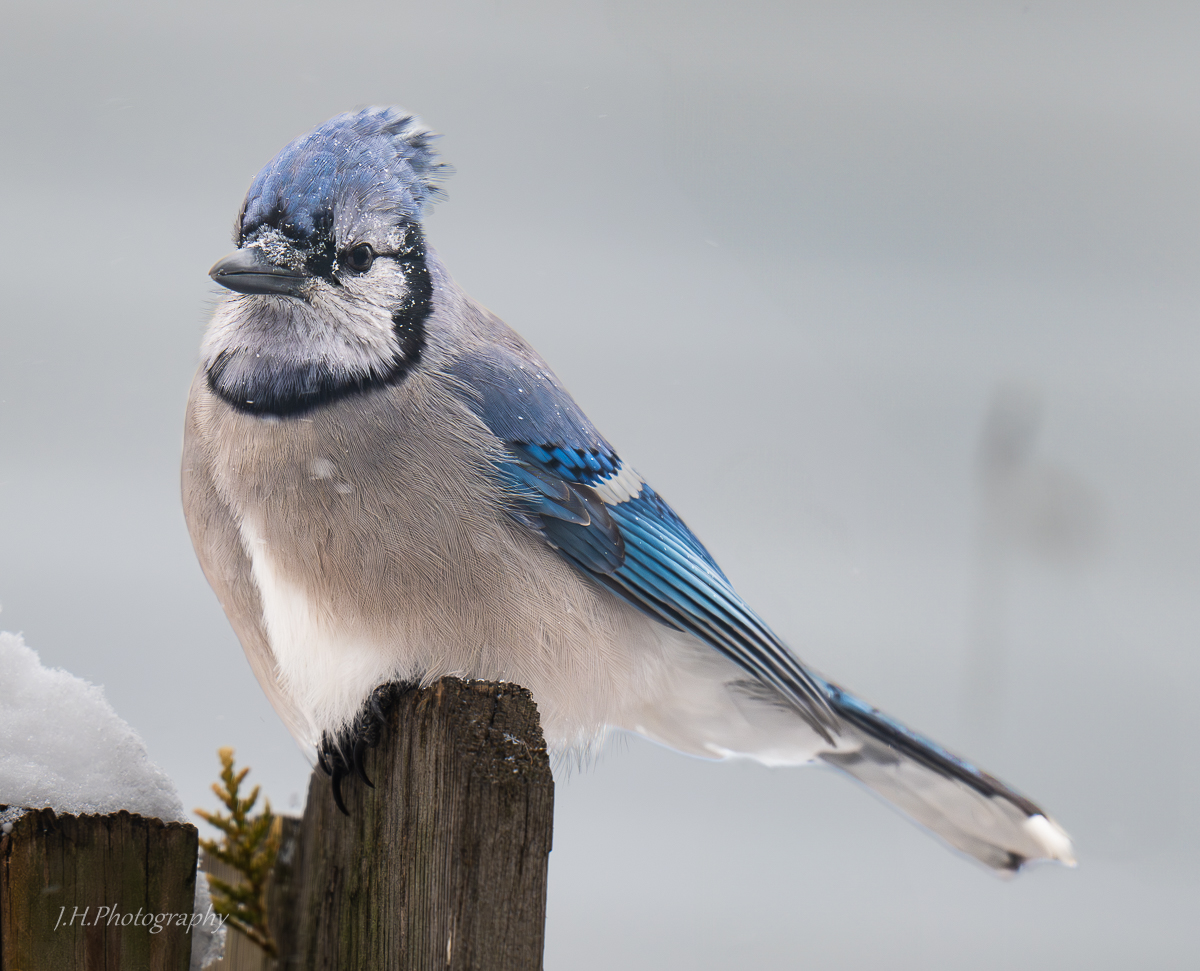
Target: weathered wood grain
(443, 864)
(76, 892)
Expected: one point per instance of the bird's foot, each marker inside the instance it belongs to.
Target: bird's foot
(342, 754)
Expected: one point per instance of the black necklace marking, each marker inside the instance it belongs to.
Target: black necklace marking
(256, 384)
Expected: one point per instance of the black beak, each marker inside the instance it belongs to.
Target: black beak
(249, 271)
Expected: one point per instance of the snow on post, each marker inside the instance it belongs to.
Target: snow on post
(84, 816)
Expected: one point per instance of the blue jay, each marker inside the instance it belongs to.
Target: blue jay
(384, 483)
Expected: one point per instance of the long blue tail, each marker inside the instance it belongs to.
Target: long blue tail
(972, 811)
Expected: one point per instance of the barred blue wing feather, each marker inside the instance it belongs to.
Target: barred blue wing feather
(570, 486)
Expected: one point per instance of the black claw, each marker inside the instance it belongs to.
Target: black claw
(359, 748)
(337, 790)
(340, 755)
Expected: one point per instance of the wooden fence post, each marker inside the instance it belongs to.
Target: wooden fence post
(87, 892)
(443, 864)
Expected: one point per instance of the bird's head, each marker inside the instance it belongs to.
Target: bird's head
(330, 265)
(331, 203)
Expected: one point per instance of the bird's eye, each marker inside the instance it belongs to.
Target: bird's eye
(360, 258)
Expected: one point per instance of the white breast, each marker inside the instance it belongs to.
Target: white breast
(325, 665)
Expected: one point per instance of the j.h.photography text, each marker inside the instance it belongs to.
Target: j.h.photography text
(110, 915)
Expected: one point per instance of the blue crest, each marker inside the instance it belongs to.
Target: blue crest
(377, 161)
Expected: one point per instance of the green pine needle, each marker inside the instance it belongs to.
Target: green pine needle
(249, 845)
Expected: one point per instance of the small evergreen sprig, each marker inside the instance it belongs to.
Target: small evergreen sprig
(249, 845)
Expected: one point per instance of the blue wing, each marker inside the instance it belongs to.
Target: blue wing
(570, 486)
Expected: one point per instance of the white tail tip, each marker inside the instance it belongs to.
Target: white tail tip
(1052, 838)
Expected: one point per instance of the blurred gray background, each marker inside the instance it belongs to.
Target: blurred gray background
(896, 303)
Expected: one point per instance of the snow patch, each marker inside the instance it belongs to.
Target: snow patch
(63, 746)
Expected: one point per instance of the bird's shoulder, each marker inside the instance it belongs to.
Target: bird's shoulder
(508, 385)
(569, 485)
(555, 458)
